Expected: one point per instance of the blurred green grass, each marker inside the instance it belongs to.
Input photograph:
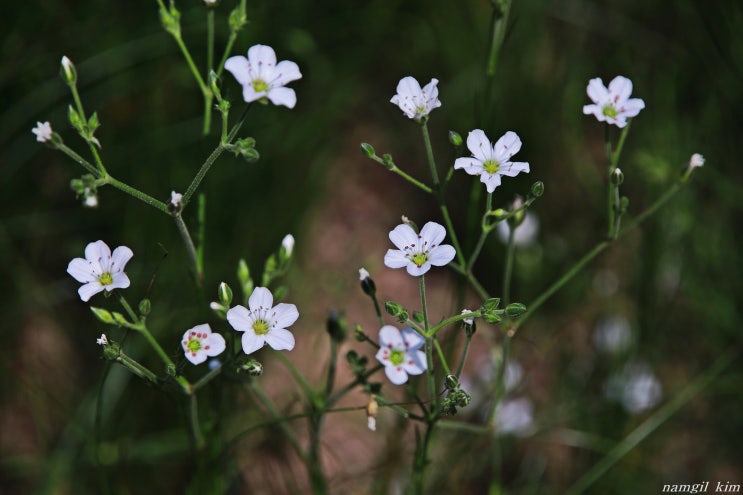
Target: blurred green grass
(686, 62)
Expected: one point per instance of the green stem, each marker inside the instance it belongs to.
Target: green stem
(442, 358)
(332, 366)
(281, 421)
(451, 320)
(498, 23)
(428, 345)
(190, 248)
(146, 198)
(507, 272)
(81, 113)
(463, 358)
(82, 161)
(483, 234)
(195, 428)
(136, 368)
(311, 394)
(437, 191)
(421, 460)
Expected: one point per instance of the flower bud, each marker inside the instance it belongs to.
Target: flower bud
(75, 120)
(451, 382)
(243, 272)
(252, 366)
(387, 160)
(368, 150)
(238, 17)
(515, 309)
(120, 319)
(469, 324)
(145, 306)
(358, 332)
(336, 326)
(104, 316)
(371, 413)
(367, 284)
(455, 139)
(393, 308)
(537, 189)
(617, 177)
(418, 316)
(68, 71)
(287, 245)
(623, 204)
(171, 20)
(224, 294)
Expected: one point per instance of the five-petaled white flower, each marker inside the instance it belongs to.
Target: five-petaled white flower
(199, 343)
(696, 160)
(261, 77)
(288, 244)
(100, 270)
(264, 323)
(491, 161)
(399, 352)
(415, 102)
(43, 131)
(103, 340)
(612, 105)
(417, 252)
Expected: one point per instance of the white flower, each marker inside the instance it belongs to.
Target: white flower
(68, 70)
(288, 244)
(90, 198)
(467, 321)
(613, 334)
(100, 270)
(261, 77)
(491, 161)
(415, 102)
(515, 416)
(199, 342)
(43, 131)
(525, 234)
(103, 340)
(612, 105)
(400, 353)
(363, 274)
(696, 160)
(635, 386)
(176, 199)
(417, 252)
(264, 323)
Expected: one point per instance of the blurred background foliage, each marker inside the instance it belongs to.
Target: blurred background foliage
(675, 282)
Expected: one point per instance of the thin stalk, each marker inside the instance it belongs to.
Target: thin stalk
(81, 113)
(440, 352)
(463, 358)
(146, 198)
(421, 460)
(190, 248)
(508, 271)
(80, 160)
(483, 234)
(193, 413)
(311, 394)
(429, 343)
(332, 366)
(278, 416)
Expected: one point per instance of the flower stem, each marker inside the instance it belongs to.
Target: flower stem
(146, 198)
(483, 235)
(437, 191)
(311, 394)
(429, 345)
(508, 270)
(463, 357)
(82, 161)
(193, 257)
(193, 411)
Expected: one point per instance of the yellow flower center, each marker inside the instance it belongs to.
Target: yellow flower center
(419, 258)
(260, 86)
(261, 327)
(194, 345)
(491, 166)
(397, 357)
(609, 111)
(106, 279)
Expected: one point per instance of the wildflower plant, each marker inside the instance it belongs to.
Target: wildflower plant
(253, 323)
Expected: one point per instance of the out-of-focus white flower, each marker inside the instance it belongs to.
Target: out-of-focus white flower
(612, 334)
(515, 417)
(415, 102)
(100, 270)
(467, 321)
(417, 252)
(176, 199)
(43, 131)
(261, 77)
(199, 343)
(635, 387)
(363, 274)
(103, 340)
(288, 244)
(399, 352)
(490, 161)
(612, 105)
(525, 233)
(264, 323)
(696, 160)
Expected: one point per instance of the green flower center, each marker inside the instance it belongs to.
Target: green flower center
(194, 345)
(419, 258)
(106, 279)
(397, 357)
(261, 327)
(260, 86)
(491, 166)
(609, 111)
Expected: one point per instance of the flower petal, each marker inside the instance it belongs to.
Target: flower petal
(262, 57)
(472, 166)
(413, 340)
(98, 254)
(403, 236)
(120, 258)
(415, 364)
(408, 87)
(240, 319)
(620, 88)
(431, 94)
(285, 314)
(240, 68)
(491, 181)
(119, 281)
(216, 344)
(280, 339)
(395, 259)
(442, 255)
(260, 298)
(250, 94)
(596, 91)
(479, 145)
(591, 109)
(416, 270)
(285, 72)
(514, 168)
(508, 145)
(396, 374)
(390, 337)
(632, 107)
(283, 96)
(89, 290)
(81, 270)
(252, 342)
(432, 234)
(197, 357)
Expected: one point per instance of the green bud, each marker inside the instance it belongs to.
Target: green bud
(367, 284)
(515, 309)
(451, 382)
(537, 189)
(170, 370)
(393, 308)
(145, 306)
(358, 332)
(238, 17)
(492, 318)
(243, 272)
(336, 326)
(67, 71)
(170, 19)
(75, 120)
(103, 316)
(387, 160)
(491, 304)
(77, 186)
(368, 150)
(623, 204)
(500, 212)
(418, 316)
(455, 139)
(120, 319)
(93, 123)
(111, 351)
(245, 148)
(224, 294)
(213, 80)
